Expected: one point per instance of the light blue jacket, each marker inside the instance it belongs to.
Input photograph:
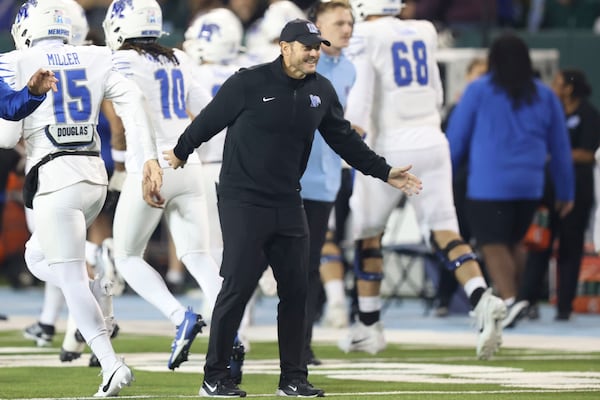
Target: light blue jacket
(322, 177)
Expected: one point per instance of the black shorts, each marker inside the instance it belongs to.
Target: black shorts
(500, 222)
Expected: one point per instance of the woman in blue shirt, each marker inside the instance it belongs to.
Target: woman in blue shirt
(508, 125)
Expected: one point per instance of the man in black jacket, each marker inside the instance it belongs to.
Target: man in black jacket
(271, 112)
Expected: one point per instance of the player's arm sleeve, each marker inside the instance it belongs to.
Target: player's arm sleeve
(10, 133)
(129, 104)
(219, 113)
(347, 143)
(198, 97)
(461, 125)
(561, 161)
(360, 98)
(434, 69)
(17, 104)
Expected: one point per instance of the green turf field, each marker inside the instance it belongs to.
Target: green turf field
(400, 372)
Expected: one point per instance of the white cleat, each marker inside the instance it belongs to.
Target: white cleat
(489, 314)
(114, 380)
(369, 339)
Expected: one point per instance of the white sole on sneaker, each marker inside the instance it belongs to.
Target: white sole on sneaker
(490, 314)
(369, 339)
(120, 377)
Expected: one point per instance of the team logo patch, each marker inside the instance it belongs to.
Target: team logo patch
(208, 30)
(152, 18)
(312, 28)
(315, 101)
(118, 8)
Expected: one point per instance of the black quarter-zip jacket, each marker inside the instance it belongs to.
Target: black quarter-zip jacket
(271, 119)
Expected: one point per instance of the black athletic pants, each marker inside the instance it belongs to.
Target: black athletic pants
(254, 236)
(570, 232)
(317, 214)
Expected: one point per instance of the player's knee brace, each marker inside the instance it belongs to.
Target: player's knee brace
(444, 254)
(330, 253)
(360, 255)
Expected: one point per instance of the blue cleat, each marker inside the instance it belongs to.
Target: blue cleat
(186, 333)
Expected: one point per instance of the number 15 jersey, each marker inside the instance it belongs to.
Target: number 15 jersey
(67, 118)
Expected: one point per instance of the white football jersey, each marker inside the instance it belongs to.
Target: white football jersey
(67, 119)
(170, 91)
(398, 83)
(211, 77)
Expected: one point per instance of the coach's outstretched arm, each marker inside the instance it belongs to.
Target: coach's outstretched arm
(401, 179)
(17, 104)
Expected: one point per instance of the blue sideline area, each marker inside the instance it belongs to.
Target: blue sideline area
(402, 313)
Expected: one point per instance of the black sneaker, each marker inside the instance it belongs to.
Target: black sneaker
(236, 362)
(94, 362)
(533, 312)
(311, 359)
(68, 356)
(42, 334)
(516, 312)
(222, 388)
(298, 388)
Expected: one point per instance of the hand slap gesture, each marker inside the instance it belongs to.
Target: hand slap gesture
(401, 179)
(170, 157)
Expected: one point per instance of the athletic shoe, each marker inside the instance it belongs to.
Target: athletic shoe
(298, 388)
(42, 334)
(489, 313)
(562, 316)
(113, 380)
(310, 358)
(364, 338)
(186, 333)
(236, 362)
(94, 362)
(72, 347)
(533, 312)
(515, 313)
(336, 316)
(442, 311)
(223, 388)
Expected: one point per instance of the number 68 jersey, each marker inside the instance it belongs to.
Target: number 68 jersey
(397, 84)
(67, 118)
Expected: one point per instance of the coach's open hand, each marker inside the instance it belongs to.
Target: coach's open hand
(170, 157)
(402, 179)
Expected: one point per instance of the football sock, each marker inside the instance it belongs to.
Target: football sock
(53, 304)
(149, 284)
